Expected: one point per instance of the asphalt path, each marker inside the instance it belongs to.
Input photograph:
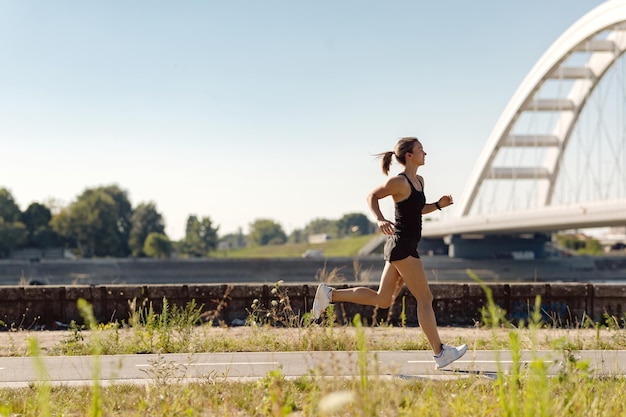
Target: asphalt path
(214, 367)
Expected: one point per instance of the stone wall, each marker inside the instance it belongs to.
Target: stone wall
(455, 304)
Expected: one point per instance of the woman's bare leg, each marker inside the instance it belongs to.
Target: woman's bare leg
(412, 271)
(390, 285)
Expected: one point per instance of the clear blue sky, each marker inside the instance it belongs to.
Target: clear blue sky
(240, 110)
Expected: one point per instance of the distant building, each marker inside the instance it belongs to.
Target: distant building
(319, 238)
(614, 240)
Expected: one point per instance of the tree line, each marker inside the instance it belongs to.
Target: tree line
(102, 222)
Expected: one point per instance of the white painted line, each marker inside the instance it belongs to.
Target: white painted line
(232, 363)
(144, 365)
(479, 361)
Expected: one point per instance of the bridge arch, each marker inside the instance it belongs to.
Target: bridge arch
(600, 36)
(585, 55)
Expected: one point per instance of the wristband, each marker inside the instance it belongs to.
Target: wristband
(437, 205)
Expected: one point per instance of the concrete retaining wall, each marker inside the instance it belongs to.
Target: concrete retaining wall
(182, 271)
(298, 270)
(455, 304)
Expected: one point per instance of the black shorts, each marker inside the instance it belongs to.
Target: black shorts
(400, 247)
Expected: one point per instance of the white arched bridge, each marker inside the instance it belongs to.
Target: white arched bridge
(556, 158)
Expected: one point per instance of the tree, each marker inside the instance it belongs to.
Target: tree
(37, 218)
(233, 240)
(9, 210)
(123, 217)
(157, 245)
(266, 232)
(12, 235)
(321, 226)
(145, 220)
(98, 222)
(354, 224)
(297, 236)
(200, 237)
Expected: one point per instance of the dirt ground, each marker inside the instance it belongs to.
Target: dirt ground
(16, 343)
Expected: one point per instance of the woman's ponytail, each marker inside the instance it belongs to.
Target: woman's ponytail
(386, 161)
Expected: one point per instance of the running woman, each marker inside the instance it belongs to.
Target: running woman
(402, 262)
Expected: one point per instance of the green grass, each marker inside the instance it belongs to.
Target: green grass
(310, 395)
(525, 392)
(346, 247)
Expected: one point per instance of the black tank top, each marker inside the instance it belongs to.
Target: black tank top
(409, 213)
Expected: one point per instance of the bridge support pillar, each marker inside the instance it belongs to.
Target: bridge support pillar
(478, 246)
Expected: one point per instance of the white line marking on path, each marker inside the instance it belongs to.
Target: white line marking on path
(493, 361)
(142, 365)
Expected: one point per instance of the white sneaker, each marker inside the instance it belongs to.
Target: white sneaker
(448, 355)
(322, 300)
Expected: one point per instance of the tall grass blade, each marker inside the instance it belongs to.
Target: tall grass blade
(44, 388)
